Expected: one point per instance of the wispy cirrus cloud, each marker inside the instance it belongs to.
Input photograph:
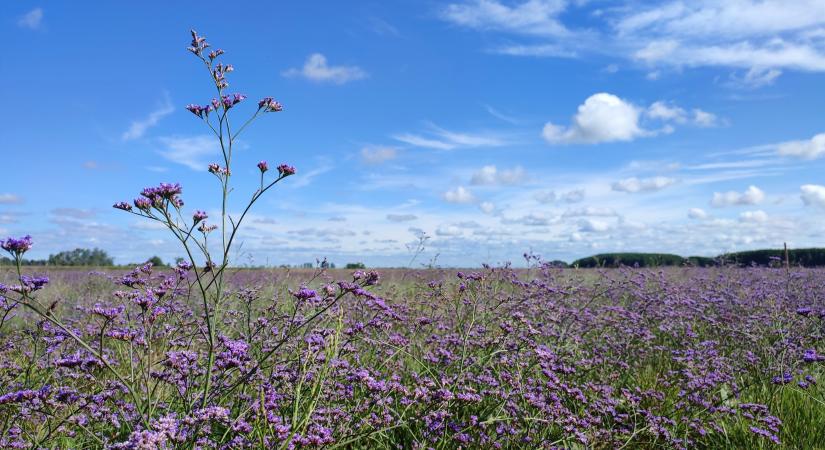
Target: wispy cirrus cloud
(32, 20)
(757, 39)
(138, 128)
(440, 139)
(194, 152)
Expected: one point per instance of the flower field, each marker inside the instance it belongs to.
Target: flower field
(545, 358)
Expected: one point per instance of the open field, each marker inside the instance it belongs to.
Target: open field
(545, 358)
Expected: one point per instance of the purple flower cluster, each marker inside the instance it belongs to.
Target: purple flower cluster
(16, 246)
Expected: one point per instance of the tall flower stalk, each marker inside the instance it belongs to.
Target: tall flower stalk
(163, 203)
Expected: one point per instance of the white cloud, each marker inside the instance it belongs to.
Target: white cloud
(490, 175)
(663, 111)
(195, 152)
(813, 195)
(595, 211)
(545, 196)
(697, 213)
(573, 196)
(758, 216)
(305, 178)
(449, 231)
(10, 199)
(32, 19)
(602, 117)
(755, 77)
(534, 17)
(704, 118)
(593, 225)
(138, 127)
(752, 196)
(316, 69)
(668, 112)
(378, 155)
(807, 149)
(459, 195)
(401, 217)
(634, 184)
(441, 139)
(487, 207)
(761, 37)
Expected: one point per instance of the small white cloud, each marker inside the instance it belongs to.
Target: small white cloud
(663, 111)
(32, 19)
(573, 196)
(697, 213)
(459, 195)
(752, 196)
(813, 195)
(490, 175)
(593, 225)
(602, 117)
(401, 217)
(758, 216)
(487, 207)
(634, 184)
(806, 149)
(316, 69)
(449, 231)
(10, 199)
(545, 196)
(378, 155)
(138, 128)
(704, 118)
(194, 152)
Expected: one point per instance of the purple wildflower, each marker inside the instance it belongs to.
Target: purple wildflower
(286, 170)
(17, 246)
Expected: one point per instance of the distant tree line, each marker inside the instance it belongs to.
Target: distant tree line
(78, 257)
(806, 257)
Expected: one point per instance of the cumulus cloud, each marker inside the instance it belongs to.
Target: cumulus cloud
(602, 117)
(490, 175)
(573, 196)
(697, 213)
(752, 196)
(317, 69)
(813, 195)
(669, 112)
(378, 155)
(758, 216)
(401, 217)
(545, 196)
(32, 19)
(634, 184)
(806, 149)
(459, 195)
(487, 207)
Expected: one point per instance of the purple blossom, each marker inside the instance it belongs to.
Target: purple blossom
(263, 166)
(285, 170)
(16, 246)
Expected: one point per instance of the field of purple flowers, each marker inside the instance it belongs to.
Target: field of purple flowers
(550, 358)
(203, 355)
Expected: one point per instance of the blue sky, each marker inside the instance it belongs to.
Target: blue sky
(495, 127)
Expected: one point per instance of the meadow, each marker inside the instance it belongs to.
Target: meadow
(203, 355)
(498, 358)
